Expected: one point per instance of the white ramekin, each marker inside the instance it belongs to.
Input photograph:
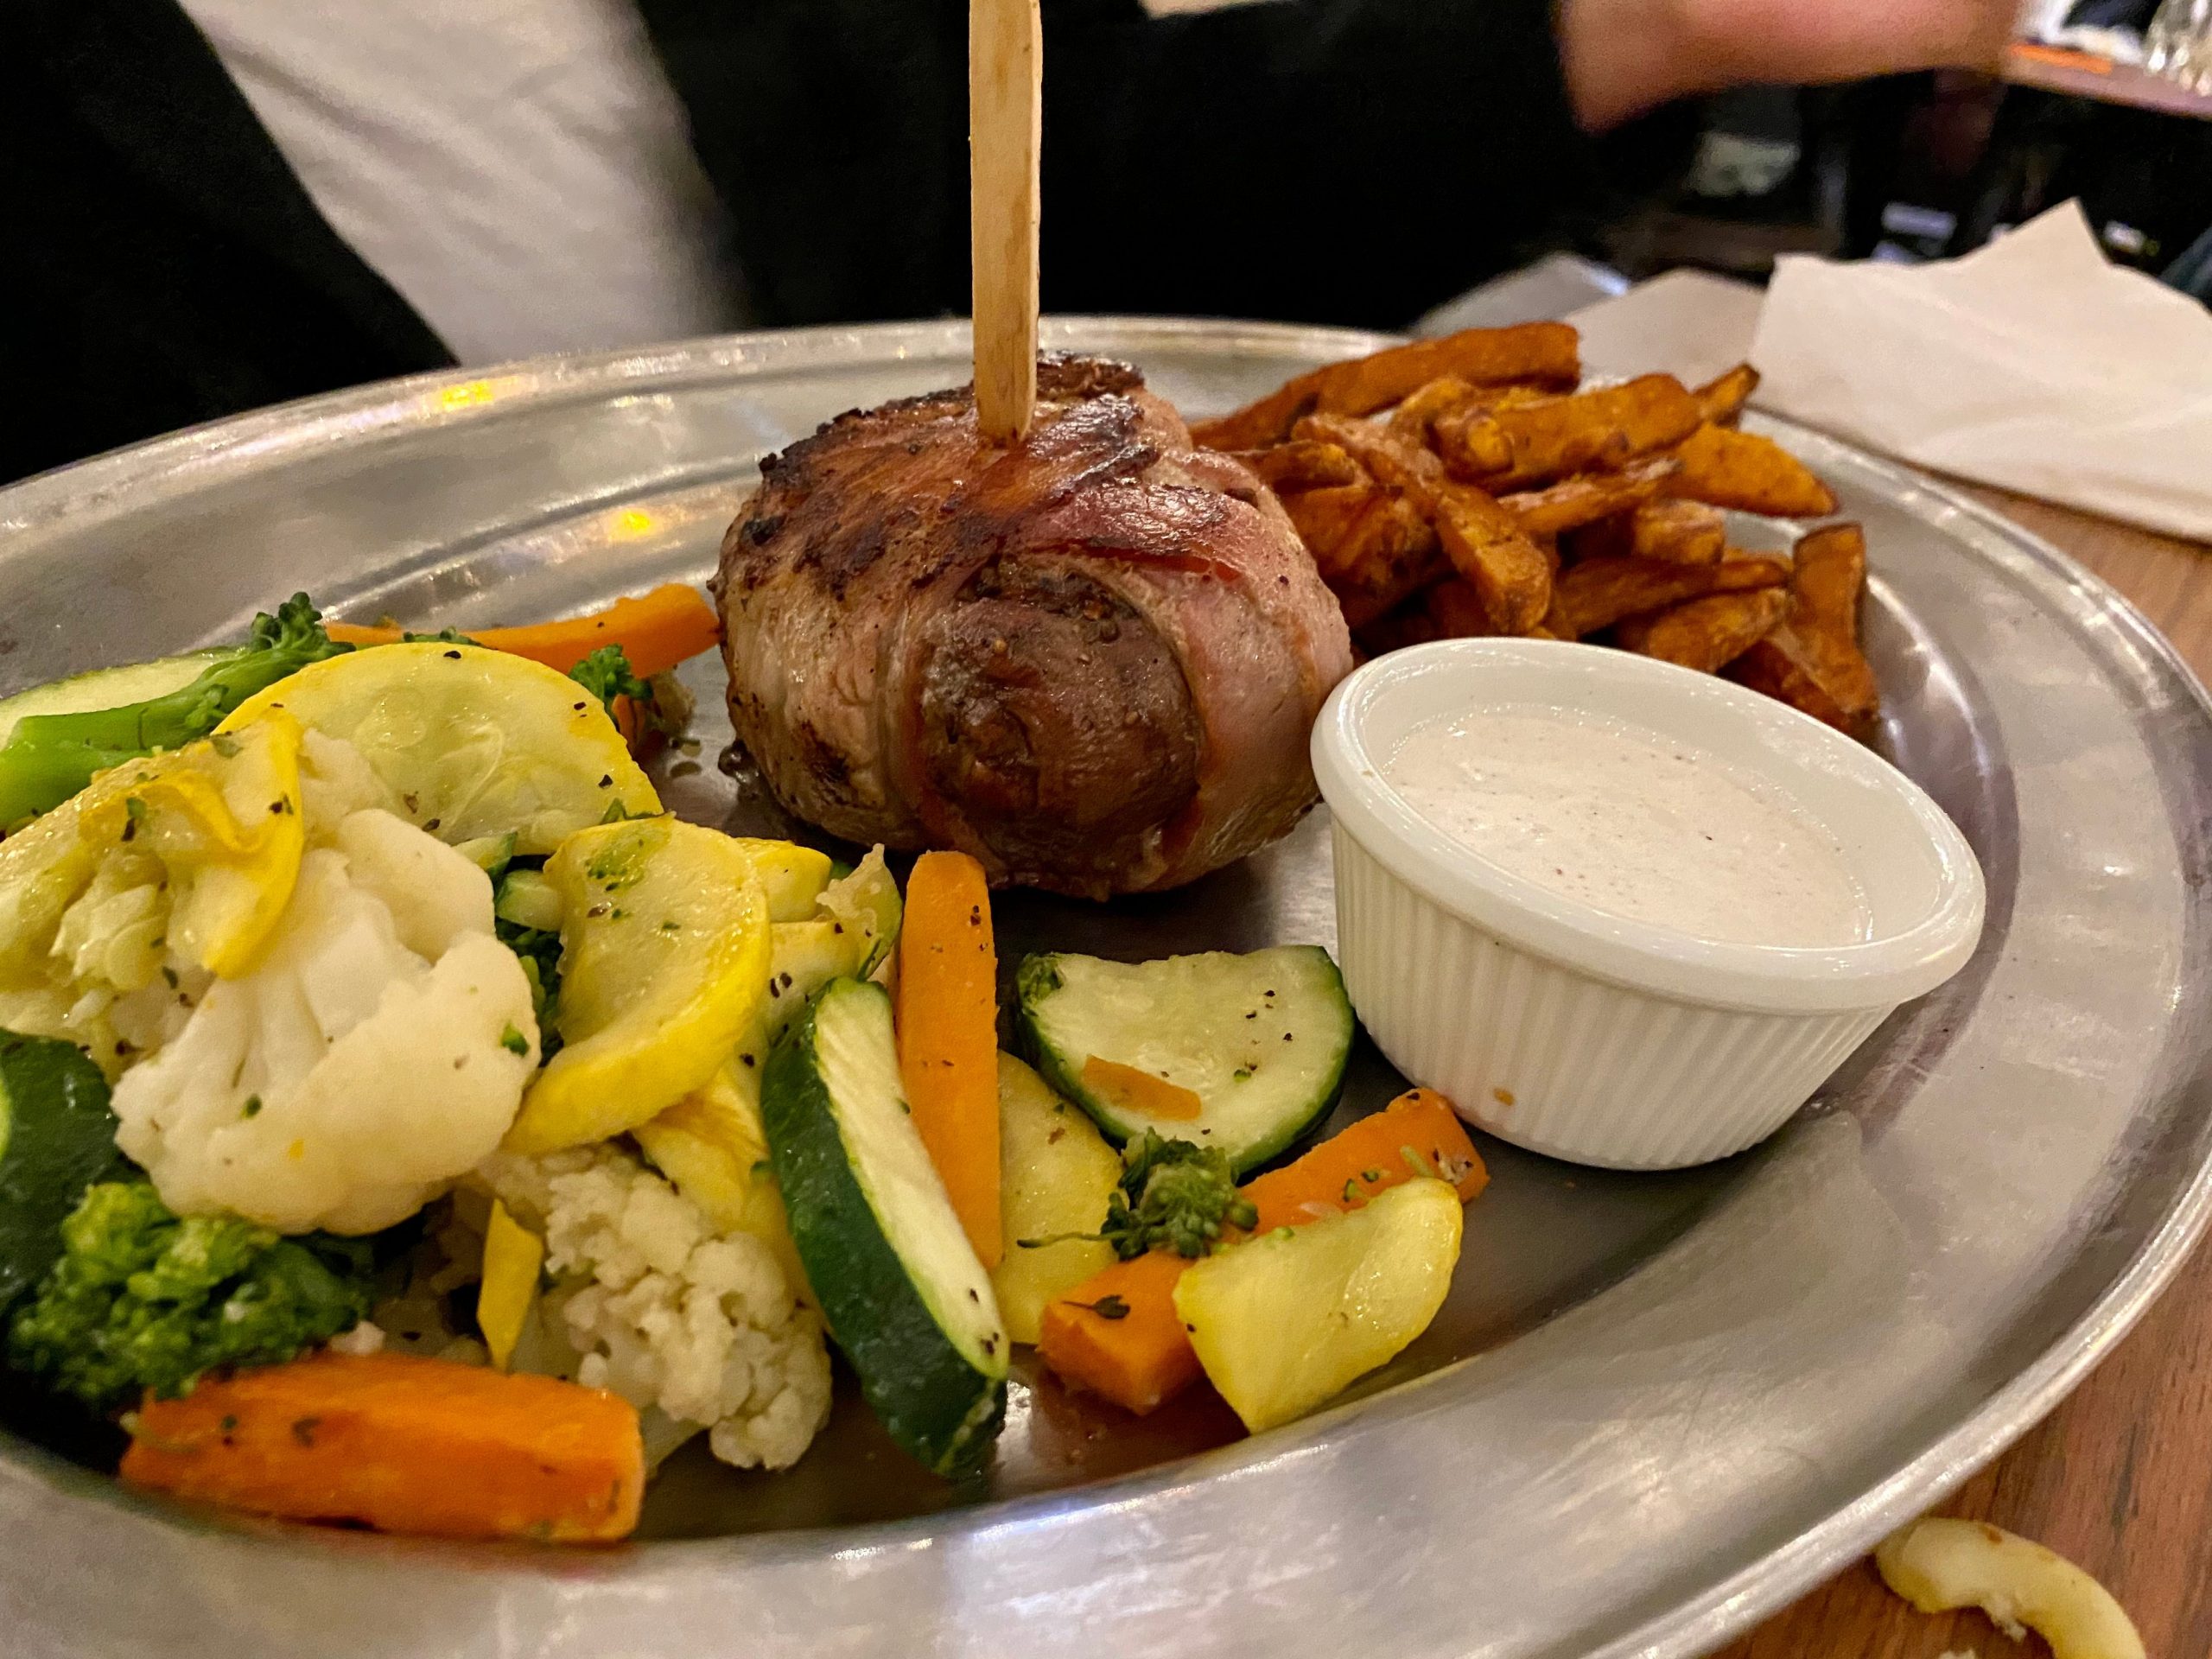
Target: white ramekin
(1582, 1035)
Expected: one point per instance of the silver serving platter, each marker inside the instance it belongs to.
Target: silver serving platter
(1656, 1408)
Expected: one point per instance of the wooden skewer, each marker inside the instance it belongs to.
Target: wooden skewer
(1005, 118)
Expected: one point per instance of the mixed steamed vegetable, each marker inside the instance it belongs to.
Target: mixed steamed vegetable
(405, 1121)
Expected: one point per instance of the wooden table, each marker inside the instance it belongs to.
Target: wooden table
(2077, 74)
(2119, 1478)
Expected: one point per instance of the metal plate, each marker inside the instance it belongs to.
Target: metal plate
(1655, 1406)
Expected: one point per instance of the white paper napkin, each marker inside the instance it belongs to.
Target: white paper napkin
(2032, 364)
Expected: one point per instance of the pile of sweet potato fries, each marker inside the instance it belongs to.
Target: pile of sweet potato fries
(1500, 496)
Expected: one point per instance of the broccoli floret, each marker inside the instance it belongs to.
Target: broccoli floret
(539, 950)
(143, 1298)
(661, 703)
(49, 758)
(606, 675)
(1173, 1193)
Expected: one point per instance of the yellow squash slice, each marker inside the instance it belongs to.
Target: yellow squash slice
(1282, 1322)
(471, 743)
(792, 876)
(512, 1256)
(665, 959)
(223, 816)
(217, 823)
(1938, 1563)
(712, 1144)
(1056, 1176)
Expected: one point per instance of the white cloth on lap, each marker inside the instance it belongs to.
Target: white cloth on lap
(520, 170)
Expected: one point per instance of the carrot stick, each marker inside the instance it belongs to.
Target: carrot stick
(656, 631)
(1418, 1127)
(948, 1035)
(403, 1445)
(1117, 1333)
(1134, 1091)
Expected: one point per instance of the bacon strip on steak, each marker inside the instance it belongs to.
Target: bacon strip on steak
(1092, 659)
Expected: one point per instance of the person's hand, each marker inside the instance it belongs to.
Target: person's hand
(1624, 56)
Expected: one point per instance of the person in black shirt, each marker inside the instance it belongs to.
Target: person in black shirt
(1351, 161)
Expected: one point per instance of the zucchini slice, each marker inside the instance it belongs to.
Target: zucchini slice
(1248, 1051)
(1285, 1321)
(57, 1137)
(105, 687)
(1057, 1176)
(905, 1295)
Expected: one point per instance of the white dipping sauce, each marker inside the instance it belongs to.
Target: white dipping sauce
(1631, 823)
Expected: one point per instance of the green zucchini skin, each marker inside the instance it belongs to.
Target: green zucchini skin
(57, 1138)
(105, 687)
(941, 1404)
(1253, 1123)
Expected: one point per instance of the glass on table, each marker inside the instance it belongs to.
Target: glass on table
(2178, 43)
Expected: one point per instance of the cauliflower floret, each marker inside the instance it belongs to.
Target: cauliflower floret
(667, 1314)
(379, 1049)
(88, 947)
(113, 934)
(336, 781)
(106, 982)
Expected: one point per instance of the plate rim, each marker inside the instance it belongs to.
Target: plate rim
(207, 455)
(1736, 1603)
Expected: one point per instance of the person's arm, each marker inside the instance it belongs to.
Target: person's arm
(1623, 57)
(1333, 160)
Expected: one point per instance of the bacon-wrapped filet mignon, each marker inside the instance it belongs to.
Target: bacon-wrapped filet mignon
(1091, 658)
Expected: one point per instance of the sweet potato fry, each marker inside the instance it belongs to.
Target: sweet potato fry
(1473, 443)
(1387, 553)
(1290, 468)
(1597, 593)
(1587, 497)
(1519, 395)
(1445, 394)
(1455, 611)
(1326, 518)
(1776, 666)
(1549, 352)
(1827, 574)
(1485, 542)
(1680, 532)
(1480, 401)
(1409, 625)
(1741, 568)
(1396, 555)
(1708, 633)
(1727, 468)
(1721, 400)
(1549, 439)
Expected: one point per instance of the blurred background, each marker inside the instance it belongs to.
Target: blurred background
(216, 205)
(2108, 101)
